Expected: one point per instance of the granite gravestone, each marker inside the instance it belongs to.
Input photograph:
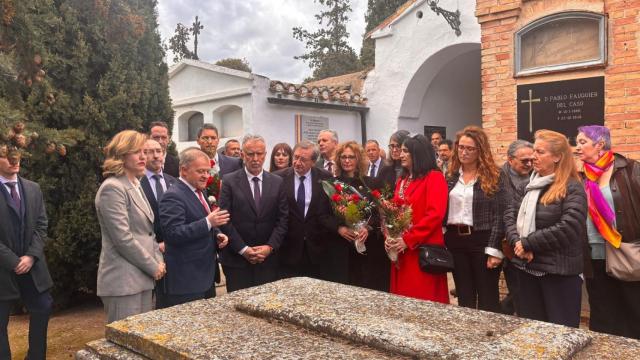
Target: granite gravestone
(302, 318)
(560, 106)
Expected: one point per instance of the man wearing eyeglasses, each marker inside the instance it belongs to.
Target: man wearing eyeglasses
(516, 171)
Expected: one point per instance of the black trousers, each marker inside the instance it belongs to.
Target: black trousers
(476, 286)
(551, 298)
(615, 304)
(509, 305)
(239, 278)
(39, 306)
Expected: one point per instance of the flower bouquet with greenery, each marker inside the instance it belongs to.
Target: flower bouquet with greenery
(350, 206)
(396, 217)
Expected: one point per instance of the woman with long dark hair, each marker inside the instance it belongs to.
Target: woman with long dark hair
(474, 223)
(281, 157)
(424, 188)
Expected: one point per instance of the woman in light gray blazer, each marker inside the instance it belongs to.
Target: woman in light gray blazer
(130, 259)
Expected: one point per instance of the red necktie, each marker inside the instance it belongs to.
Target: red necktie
(204, 203)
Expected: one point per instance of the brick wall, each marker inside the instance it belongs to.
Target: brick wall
(500, 19)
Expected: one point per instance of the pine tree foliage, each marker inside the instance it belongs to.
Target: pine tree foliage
(72, 74)
(377, 11)
(328, 52)
(235, 63)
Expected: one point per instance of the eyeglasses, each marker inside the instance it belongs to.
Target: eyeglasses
(347, 157)
(394, 146)
(526, 161)
(208, 138)
(469, 149)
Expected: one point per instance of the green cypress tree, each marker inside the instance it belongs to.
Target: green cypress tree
(377, 11)
(104, 71)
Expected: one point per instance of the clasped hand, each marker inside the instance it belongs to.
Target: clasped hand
(25, 264)
(162, 270)
(353, 236)
(522, 253)
(396, 244)
(257, 254)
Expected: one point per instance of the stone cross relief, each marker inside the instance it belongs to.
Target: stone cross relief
(530, 101)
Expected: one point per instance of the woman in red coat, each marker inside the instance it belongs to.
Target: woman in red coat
(423, 186)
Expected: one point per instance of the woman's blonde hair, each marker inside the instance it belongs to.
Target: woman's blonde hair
(362, 163)
(488, 171)
(123, 143)
(565, 168)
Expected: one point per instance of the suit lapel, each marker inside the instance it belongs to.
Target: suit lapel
(290, 185)
(137, 198)
(9, 200)
(146, 187)
(246, 189)
(316, 188)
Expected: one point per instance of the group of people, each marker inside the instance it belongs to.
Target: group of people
(550, 218)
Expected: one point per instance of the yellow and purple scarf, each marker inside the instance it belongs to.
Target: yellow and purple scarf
(600, 212)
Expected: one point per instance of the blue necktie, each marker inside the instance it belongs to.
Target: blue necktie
(300, 200)
(159, 189)
(256, 192)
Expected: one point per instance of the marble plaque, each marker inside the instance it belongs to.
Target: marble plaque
(308, 127)
(561, 106)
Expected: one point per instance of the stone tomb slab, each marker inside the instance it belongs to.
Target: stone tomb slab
(302, 318)
(413, 328)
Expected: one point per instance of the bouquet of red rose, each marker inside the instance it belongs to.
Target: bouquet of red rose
(214, 185)
(396, 218)
(348, 204)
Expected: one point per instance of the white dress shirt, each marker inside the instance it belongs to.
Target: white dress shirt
(4, 181)
(461, 203)
(307, 189)
(250, 177)
(377, 164)
(195, 192)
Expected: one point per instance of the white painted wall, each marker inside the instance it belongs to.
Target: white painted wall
(248, 111)
(453, 99)
(276, 123)
(409, 55)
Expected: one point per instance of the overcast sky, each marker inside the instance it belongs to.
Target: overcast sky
(258, 30)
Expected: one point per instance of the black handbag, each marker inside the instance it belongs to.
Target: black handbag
(435, 259)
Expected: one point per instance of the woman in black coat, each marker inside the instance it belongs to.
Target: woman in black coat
(548, 233)
(371, 269)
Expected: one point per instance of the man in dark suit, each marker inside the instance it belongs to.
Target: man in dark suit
(208, 141)
(159, 131)
(190, 231)
(23, 268)
(258, 207)
(154, 184)
(311, 221)
(328, 144)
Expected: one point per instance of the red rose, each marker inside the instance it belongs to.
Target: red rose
(376, 194)
(338, 188)
(209, 181)
(336, 198)
(398, 201)
(355, 198)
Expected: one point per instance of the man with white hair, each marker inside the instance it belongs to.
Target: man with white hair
(258, 207)
(327, 144)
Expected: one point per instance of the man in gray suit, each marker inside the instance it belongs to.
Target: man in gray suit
(257, 203)
(23, 267)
